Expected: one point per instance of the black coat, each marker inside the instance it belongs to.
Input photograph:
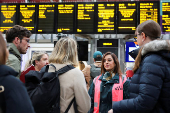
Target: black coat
(15, 98)
(150, 85)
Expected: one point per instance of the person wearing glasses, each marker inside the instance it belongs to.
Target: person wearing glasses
(18, 38)
(150, 85)
(13, 94)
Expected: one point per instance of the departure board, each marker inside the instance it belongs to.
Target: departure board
(27, 16)
(106, 18)
(127, 17)
(46, 18)
(66, 18)
(8, 16)
(148, 11)
(85, 18)
(166, 17)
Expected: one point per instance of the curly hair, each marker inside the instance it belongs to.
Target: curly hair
(17, 31)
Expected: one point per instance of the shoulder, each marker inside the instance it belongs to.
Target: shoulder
(10, 82)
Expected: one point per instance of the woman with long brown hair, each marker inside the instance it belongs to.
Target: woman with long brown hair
(108, 87)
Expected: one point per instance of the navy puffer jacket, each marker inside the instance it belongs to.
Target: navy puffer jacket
(150, 86)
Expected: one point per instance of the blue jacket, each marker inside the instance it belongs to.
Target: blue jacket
(15, 97)
(150, 85)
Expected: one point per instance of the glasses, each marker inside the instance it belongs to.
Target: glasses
(26, 39)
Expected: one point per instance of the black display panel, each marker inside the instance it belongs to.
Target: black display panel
(85, 18)
(149, 11)
(46, 18)
(66, 18)
(106, 18)
(27, 16)
(82, 50)
(8, 16)
(107, 43)
(166, 17)
(127, 17)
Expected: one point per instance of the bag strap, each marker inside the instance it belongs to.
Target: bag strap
(69, 105)
(61, 71)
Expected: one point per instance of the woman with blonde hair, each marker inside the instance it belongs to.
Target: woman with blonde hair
(72, 83)
(150, 85)
(39, 59)
(13, 94)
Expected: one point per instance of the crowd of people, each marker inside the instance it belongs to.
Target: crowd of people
(108, 89)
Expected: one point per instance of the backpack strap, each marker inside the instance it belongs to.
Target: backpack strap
(69, 105)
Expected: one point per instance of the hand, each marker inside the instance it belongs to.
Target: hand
(110, 111)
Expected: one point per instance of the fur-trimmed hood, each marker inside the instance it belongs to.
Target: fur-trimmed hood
(155, 46)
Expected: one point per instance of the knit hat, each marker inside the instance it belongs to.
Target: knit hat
(96, 54)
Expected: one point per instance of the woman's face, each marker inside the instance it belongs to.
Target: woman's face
(43, 61)
(109, 63)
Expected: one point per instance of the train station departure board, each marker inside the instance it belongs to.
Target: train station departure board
(27, 16)
(8, 16)
(127, 17)
(85, 18)
(46, 18)
(148, 11)
(66, 18)
(106, 18)
(166, 17)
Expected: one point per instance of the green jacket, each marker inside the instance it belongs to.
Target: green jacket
(106, 93)
(14, 59)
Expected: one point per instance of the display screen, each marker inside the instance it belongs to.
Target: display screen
(8, 16)
(82, 50)
(85, 18)
(127, 17)
(27, 16)
(148, 11)
(106, 18)
(66, 17)
(166, 17)
(46, 18)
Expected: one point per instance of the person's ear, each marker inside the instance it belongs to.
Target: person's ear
(16, 40)
(143, 36)
(36, 62)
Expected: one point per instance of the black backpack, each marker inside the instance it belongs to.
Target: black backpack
(44, 89)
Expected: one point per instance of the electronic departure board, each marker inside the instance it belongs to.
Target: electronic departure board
(148, 11)
(85, 18)
(166, 17)
(127, 17)
(46, 18)
(27, 16)
(8, 16)
(106, 18)
(66, 18)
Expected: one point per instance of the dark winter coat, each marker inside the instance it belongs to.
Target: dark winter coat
(150, 85)
(106, 93)
(15, 98)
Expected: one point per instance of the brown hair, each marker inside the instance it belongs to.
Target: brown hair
(3, 50)
(150, 28)
(153, 31)
(117, 65)
(17, 31)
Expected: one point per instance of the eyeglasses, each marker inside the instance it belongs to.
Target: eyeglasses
(26, 39)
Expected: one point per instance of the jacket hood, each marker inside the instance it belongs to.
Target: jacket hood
(162, 47)
(6, 70)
